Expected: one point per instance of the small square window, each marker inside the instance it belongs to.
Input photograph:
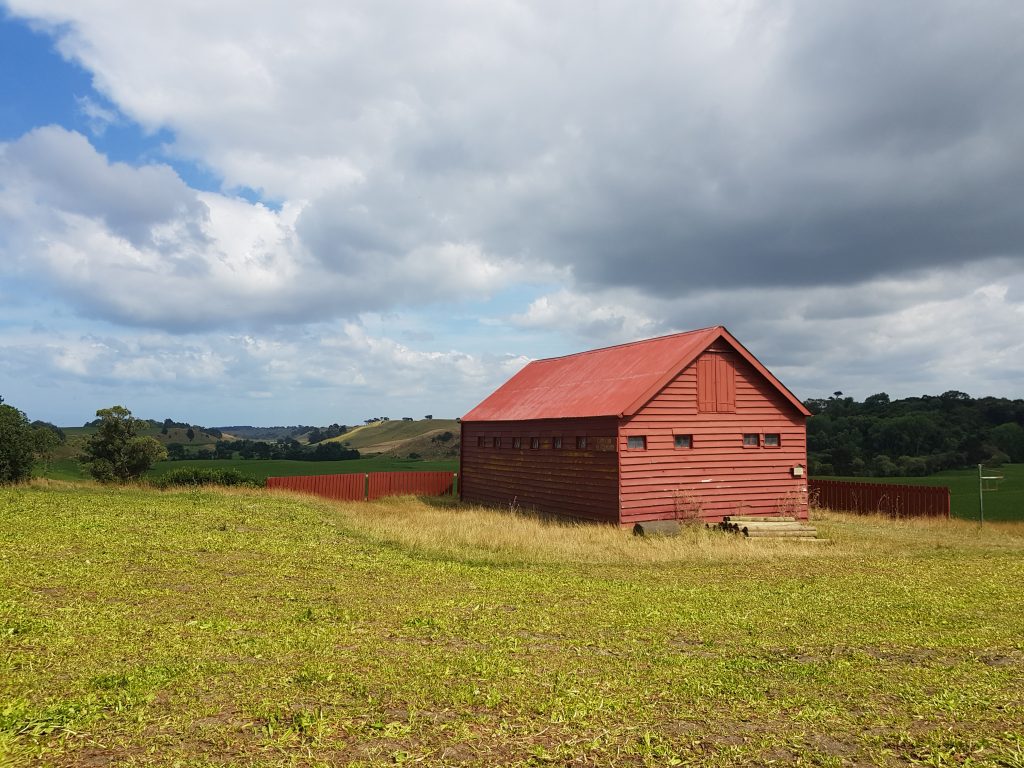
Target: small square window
(556, 442)
(497, 442)
(581, 443)
(535, 442)
(772, 441)
(636, 442)
(684, 441)
(751, 440)
(517, 442)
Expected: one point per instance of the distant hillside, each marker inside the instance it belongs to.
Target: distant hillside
(389, 436)
(265, 433)
(77, 436)
(436, 445)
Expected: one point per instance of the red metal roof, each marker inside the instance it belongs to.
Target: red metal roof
(613, 381)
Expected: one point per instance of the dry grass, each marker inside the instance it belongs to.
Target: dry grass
(443, 528)
(451, 530)
(875, 533)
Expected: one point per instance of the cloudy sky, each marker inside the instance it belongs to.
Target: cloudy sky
(266, 213)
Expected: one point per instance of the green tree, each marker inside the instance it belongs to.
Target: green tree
(190, 434)
(116, 453)
(17, 444)
(1009, 438)
(45, 442)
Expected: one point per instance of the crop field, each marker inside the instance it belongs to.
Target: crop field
(1007, 503)
(207, 628)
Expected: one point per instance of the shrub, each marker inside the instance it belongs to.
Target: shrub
(196, 476)
(17, 445)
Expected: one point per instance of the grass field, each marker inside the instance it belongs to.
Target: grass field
(205, 628)
(264, 468)
(70, 470)
(1005, 504)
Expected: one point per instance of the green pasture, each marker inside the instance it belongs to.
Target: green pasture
(1007, 503)
(261, 469)
(205, 628)
(264, 468)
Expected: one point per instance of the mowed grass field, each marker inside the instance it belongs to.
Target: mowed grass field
(1007, 503)
(207, 628)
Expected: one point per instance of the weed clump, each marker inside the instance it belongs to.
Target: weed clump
(196, 476)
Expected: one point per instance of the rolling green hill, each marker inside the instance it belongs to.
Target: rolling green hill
(383, 436)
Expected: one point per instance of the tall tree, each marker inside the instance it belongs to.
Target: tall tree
(116, 453)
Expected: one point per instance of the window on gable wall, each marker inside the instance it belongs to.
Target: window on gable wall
(751, 440)
(517, 442)
(772, 440)
(636, 442)
(497, 442)
(581, 443)
(556, 442)
(684, 441)
(716, 383)
(535, 442)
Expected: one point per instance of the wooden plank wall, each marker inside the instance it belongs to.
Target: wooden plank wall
(717, 476)
(561, 481)
(881, 498)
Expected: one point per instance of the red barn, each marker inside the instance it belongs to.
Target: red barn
(687, 425)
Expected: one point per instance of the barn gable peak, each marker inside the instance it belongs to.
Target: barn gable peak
(611, 381)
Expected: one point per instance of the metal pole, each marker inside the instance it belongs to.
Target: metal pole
(981, 497)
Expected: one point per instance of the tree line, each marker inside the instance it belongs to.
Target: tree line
(881, 437)
(282, 448)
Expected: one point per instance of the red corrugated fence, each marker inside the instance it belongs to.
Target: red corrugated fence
(410, 483)
(880, 498)
(362, 486)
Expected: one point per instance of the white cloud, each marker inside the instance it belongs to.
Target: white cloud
(610, 317)
(942, 329)
(137, 246)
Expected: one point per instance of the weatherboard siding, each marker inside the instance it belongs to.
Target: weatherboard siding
(718, 475)
(562, 481)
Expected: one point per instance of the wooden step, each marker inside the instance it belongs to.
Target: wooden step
(760, 519)
(782, 534)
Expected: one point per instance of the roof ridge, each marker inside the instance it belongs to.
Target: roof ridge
(628, 344)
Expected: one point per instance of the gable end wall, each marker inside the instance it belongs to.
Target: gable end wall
(717, 476)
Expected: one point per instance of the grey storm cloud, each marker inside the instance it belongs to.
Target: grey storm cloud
(813, 144)
(879, 139)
